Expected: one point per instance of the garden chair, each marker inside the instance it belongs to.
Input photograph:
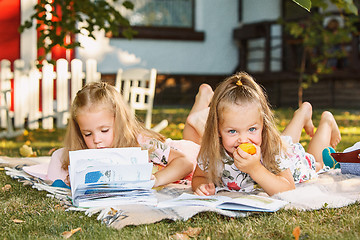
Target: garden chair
(137, 86)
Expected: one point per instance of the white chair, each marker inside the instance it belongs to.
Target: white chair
(137, 85)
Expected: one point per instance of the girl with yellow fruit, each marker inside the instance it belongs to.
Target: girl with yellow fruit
(241, 147)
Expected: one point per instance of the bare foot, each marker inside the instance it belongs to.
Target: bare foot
(306, 109)
(197, 121)
(203, 98)
(335, 132)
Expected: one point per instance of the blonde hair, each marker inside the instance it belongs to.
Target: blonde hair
(96, 95)
(238, 89)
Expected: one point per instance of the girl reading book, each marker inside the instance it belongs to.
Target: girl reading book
(99, 118)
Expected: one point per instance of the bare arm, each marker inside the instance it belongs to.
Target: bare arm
(271, 183)
(178, 167)
(55, 170)
(200, 184)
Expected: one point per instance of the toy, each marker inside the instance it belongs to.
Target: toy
(26, 151)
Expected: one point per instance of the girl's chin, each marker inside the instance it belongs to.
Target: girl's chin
(230, 153)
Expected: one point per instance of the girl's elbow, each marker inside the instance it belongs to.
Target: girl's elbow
(189, 165)
(289, 187)
(185, 166)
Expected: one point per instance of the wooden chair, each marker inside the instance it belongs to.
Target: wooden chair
(137, 86)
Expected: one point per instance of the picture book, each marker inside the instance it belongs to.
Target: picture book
(110, 177)
(246, 202)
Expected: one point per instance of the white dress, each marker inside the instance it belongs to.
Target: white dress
(300, 163)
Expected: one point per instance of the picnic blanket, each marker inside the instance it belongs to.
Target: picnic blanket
(331, 190)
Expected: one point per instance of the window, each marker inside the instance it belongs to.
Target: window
(164, 19)
(162, 13)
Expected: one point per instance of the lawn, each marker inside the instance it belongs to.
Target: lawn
(28, 214)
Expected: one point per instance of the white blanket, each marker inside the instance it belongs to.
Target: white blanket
(331, 190)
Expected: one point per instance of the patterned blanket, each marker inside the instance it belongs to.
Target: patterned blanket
(331, 190)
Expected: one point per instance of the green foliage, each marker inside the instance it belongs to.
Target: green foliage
(321, 44)
(304, 3)
(348, 5)
(58, 20)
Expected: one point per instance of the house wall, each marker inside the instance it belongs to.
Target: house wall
(182, 65)
(28, 50)
(217, 54)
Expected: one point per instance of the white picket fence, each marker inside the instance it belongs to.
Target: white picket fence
(28, 84)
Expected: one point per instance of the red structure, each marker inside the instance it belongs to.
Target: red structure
(9, 24)
(9, 34)
(10, 20)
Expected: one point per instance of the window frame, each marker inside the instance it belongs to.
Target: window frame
(168, 33)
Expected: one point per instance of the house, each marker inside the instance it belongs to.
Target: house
(194, 41)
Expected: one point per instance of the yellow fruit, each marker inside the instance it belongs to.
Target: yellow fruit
(248, 147)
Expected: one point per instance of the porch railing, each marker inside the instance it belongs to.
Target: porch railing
(264, 48)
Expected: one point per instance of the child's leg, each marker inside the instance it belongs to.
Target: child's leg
(300, 120)
(326, 135)
(195, 122)
(202, 98)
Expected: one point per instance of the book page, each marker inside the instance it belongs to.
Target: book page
(83, 159)
(243, 203)
(187, 199)
(253, 203)
(110, 173)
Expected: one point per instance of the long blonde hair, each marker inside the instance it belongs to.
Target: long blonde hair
(102, 95)
(239, 88)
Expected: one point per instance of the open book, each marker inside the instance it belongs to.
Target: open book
(244, 203)
(110, 177)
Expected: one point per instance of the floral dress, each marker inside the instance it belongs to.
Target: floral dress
(300, 163)
(159, 152)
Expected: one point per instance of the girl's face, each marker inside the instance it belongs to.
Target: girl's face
(97, 127)
(240, 124)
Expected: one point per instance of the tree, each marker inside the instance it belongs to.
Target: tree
(58, 19)
(319, 44)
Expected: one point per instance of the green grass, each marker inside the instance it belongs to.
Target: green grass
(44, 218)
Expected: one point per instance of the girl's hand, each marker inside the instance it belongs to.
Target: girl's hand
(246, 162)
(205, 189)
(153, 178)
